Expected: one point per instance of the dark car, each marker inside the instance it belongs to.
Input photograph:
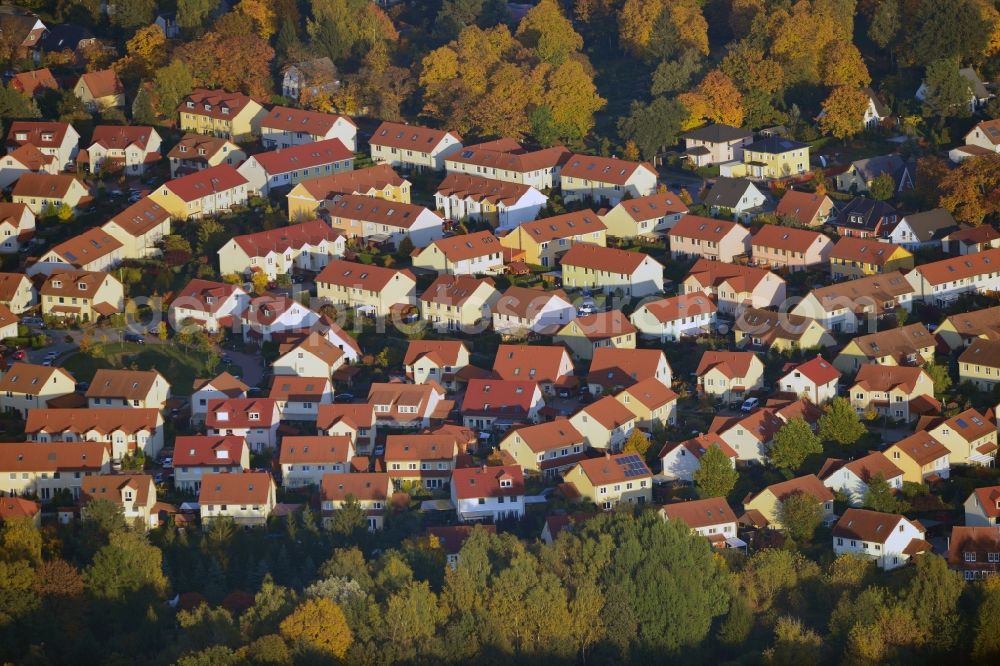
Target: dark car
(564, 393)
(136, 338)
(343, 397)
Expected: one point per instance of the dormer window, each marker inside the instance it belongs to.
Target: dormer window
(208, 107)
(190, 105)
(57, 284)
(254, 416)
(183, 149)
(82, 286)
(505, 483)
(225, 110)
(48, 136)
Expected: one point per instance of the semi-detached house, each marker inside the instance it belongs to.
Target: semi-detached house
(889, 539)
(793, 249)
(197, 455)
(371, 490)
(17, 292)
(379, 182)
(521, 310)
(478, 253)
(196, 152)
(645, 216)
(634, 274)
(505, 160)
(401, 405)
(212, 191)
(123, 430)
(208, 305)
(584, 335)
(44, 193)
(247, 499)
(371, 290)
(543, 241)
(17, 226)
(307, 246)
(26, 159)
(941, 282)
(856, 305)
(286, 167)
(380, 221)
(423, 460)
(711, 518)
(57, 139)
(412, 147)
(315, 356)
(852, 478)
(612, 479)
(139, 228)
(605, 179)
(221, 114)
(25, 386)
(502, 204)
(708, 238)
(435, 360)
(674, 317)
(284, 127)
(112, 387)
(43, 469)
(547, 449)
(488, 493)
(254, 419)
(93, 250)
(898, 392)
(305, 460)
(83, 295)
(459, 303)
(276, 317)
(734, 287)
(121, 147)
(912, 344)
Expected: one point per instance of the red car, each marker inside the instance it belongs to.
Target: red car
(19, 355)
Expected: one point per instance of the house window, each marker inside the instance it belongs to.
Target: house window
(970, 557)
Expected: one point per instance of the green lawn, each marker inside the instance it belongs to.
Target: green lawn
(179, 365)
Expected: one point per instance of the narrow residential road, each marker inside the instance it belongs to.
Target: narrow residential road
(251, 366)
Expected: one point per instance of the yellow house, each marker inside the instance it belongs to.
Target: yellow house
(729, 375)
(961, 329)
(908, 345)
(372, 491)
(379, 182)
(644, 216)
(459, 303)
(223, 114)
(100, 90)
(920, 456)
(970, 437)
(546, 448)
(852, 258)
(84, 295)
(370, 290)
(775, 157)
(652, 402)
(980, 364)
(208, 192)
(43, 192)
(602, 329)
(780, 331)
(768, 501)
(611, 479)
(633, 274)
(543, 241)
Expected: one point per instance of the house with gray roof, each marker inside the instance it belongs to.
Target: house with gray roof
(861, 173)
(737, 197)
(923, 230)
(714, 144)
(979, 93)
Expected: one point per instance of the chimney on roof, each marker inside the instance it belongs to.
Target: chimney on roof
(484, 467)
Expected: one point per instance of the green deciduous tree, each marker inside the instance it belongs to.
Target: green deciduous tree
(932, 596)
(171, 85)
(840, 423)
(653, 126)
(133, 13)
(792, 444)
(986, 644)
(882, 187)
(21, 540)
(800, 514)
(715, 476)
(940, 376)
(880, 496)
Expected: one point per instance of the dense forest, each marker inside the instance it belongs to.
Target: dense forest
(619, 588)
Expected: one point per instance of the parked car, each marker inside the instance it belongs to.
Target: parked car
(136, 338)
(564, 393)
(379, 450)
(19, 355)
(343, 397)
(749, 405)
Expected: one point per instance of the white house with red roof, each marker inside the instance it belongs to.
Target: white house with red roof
(315, 356)
(711, 518)
(93, 250)
(248, 498)
(305, 460)
(889, 539)
(402, 405)
(506, 160)
(357, 421)
(378, 220)
(816, 380)
(284, 127)
(299, 397)
(851, 477)
(287, 167)
(274, 317)
(139, 228)
(436, 360)
(128, 147)
(207, 305)
(25, 159)
(500, 404)
(307, 246)
(412, 146)
(218, 388)
(426, 460)
(254, 419)
(488, 493)
(550, 367)
(675, 317)
(982, 508)
(211, 191)
(605, 178)
(197, 455)
(503, 204)
(17, 225)
(521, 310)
(680, 460)
(734, 286)
(613, 369)
(51, 138)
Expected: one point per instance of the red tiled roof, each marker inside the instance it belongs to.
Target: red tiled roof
(48, 456)
(772, 236)
(653, 206)
(700, 513)
(603, 325)
(499, 397)
(35, 132)
(207, 181)
(453, 537)
(865, 525)
(623, 367)
(609, 413)
(217, 100)
(607, 259)
(611, 468)
(44, 185)
(31, 83)
(236, 413)
(208, 450)
(304, 156)
(444, 352)
(121, 136)
(380, 211)
(884, 378)
(673, 308)
(563, 226)
(360, 181)
(731, 364)
(245, 488)
(959, 268)
(103, 83)
(316, 449)
(863, 250)
(697, 446)
(130, 420)
(602, 169)
(711, 273)
(477, 188)
(922, 448)
(817, 370)
(294, 236)
(508, 155)
(141, 217)
(704, 228)
(355, 415)
(535, 363)
(91, 245)
(409, 137)
(468, 246)
(453, 289)
(803, 206)
(651, 392)
(420, 447)
(288, 119)
(808, 484)
(549, 435)
(362, 486)
(474, 482)
(12, 508)
(525, 302)
(31, 157)
(205, 295)
(360, 276)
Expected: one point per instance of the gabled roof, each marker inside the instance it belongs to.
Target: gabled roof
(44, 185)
(769, 326)
(602, 325)
(119, 137)
(864, 213)
(41, 134)
(462, 247)
(442, 352)
(526, 302)
(477, 188)
(989, 128)
(650, 392)
(126, 384)
(303, 156)
(141, 217)
(700, 513)
(973, 235)
(420, 447)
(536, 363)
(29, 379)
(295, 388)
(718, 133)
(360, 276)
(982, 352)
(208, 450)
(603, 169)
(704, 228)
(319, 346)
(453, 290)
(107, 420)
(872, 167)
(863, 292)
(896, 342)
(865, 525)
(475, 482)
(673, 308)
(14, 213)
(931, 224)
(789, 239)
(200, 184)
(452, 537)
(549, 435)
(223, 383)
(280, 239)
(355, 415)
(48, 456)
(205, 295)
(808, 484)
(288, 119)
(865, 250)
(989, 500)
(30, 83)
(315, 449)
(31, 157)
(239, 413)
(563, 226)
(110, 487)
(880, 108)
(508, 155)
(946, 270)
(12, 508)
(699, 445)
(409, 137)
(865, 468)
(103, 83)
(500, 397)
(802, 206)
(623, 367)
(711, 273)
(362, 486)
(240, 489)
(730, 364)
(970, 425)
(219, 104)
(729, 192)
(652, 206)
(191, 146)
(91, 245)
(359, 181)
(616, 468)
(922, 448)
(83, 284)
(817, 370)
(608, 412)
(607, 259)
(269, 308)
